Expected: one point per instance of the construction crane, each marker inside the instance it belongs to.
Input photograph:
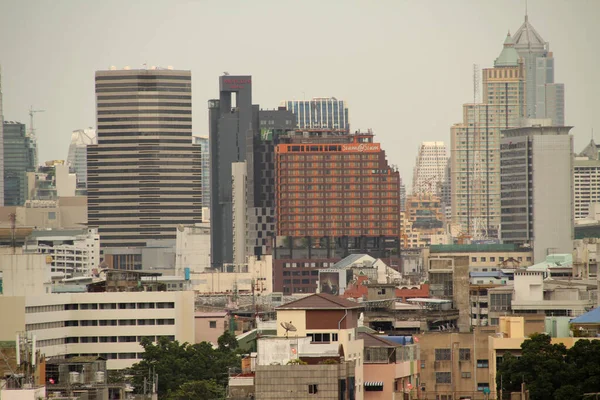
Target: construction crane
(32, 112)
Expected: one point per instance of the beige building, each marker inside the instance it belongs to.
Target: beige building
(455, 365)
(63, 213)
(423, 223)
(144, 175)
(475, 144)
(209, 326)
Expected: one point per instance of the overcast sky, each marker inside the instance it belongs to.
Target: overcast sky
(404, 67)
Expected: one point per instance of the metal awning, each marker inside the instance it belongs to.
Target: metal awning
(371, 384)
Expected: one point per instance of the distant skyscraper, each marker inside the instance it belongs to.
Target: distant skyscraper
(429, 172)
(77, 157)
(1, 143)
(232, 123)
(18, 161)
(537, 189)
(475, 144)
(586, 180)
(144, 175)
(544, 98)
(320, 113)
(204, 145)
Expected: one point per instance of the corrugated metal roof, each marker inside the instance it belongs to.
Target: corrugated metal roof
(591, 317)
(320, 301)
(371, 340)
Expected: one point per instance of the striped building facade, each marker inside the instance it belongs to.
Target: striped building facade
(144, 175)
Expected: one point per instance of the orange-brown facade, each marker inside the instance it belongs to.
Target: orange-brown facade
(336, 186)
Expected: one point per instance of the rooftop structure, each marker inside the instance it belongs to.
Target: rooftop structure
(320, 113)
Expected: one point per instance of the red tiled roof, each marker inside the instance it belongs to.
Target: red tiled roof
(320, 301)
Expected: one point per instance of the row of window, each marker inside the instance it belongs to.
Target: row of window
(99, 339)
(99, 306)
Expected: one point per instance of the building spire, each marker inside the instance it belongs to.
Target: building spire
(526, 12)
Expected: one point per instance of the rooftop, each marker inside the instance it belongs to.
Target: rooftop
(526, 37)
(591, 317)
(371, 340)
(475, 248)
(508, 56)
(320, 301)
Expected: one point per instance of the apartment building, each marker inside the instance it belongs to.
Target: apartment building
(337, 195)
(73, 252)
(455, 365)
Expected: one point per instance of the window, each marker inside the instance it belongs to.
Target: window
(320, 337)
(482, 364)
(500, 258)
(443, 377)
(212, 324)
(483, 259)
(466, 375)
(442, 355)
(464, 354)
(492, 259)
(313, 389)
(473, 259)
(481, 386)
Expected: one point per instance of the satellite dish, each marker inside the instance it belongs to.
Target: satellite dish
(180, 228)
(289, 327)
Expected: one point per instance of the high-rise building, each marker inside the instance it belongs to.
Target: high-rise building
(77, 157)
(18, 161)
(537, 189)
(205, 152)
(232, 118)
(320, 113)
(586, 179)
(1, 142)
(336, 195)
(429, 172)
(475, 144)
(544, 98)
(144, 175)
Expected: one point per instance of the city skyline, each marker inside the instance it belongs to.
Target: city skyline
(420, 90)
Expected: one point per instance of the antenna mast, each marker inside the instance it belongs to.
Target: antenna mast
(476, 83)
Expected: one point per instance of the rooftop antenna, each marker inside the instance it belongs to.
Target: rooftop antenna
(526, 11)
(32, 112)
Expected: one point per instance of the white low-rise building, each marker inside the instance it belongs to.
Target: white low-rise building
(109, 325)
(73, 252)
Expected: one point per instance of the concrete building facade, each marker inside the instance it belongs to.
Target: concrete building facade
(429, 172)
(144, 175)
(72, 252)
(192, 248)
(475, 144)
(232, 118)
(74, 324)
(537, 189)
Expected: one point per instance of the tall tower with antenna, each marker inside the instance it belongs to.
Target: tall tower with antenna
(32, 136)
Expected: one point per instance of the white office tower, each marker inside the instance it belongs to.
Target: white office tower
(77, 158)
(536, 177)
(429, 173)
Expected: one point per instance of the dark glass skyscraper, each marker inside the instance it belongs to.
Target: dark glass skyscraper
(232, 123)
(18, 160)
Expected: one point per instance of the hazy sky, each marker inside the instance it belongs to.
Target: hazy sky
(404, 67)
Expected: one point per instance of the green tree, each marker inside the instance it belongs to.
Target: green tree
(550, 371)
(194, 390)
(227, 341)
(177, 364)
